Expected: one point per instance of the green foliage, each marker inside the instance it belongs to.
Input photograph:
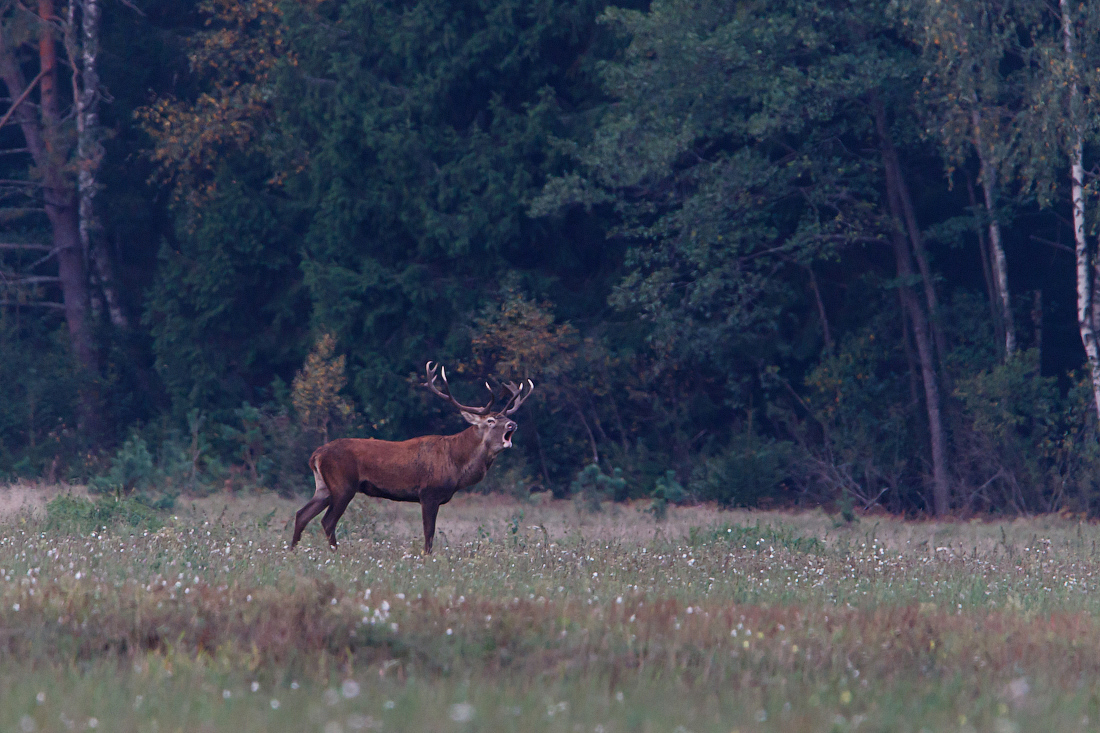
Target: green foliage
(864, 425)
(256, 448)
(592, 487)
(666, 491)
(757, 538)
(729, 181)
(416, 135)
(247, 437)
(68, 513)
(670, 215)
(248, 449)
(226, 313)
(39, 387)
(751, 468)
(510, 476)
(131, 469)
(315, 392)
(286, 450)
(1023, 446)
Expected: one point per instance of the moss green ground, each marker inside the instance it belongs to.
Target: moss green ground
(533, 617)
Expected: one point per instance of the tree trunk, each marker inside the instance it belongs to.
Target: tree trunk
(542, 456)
(907, 217)
(90, 154)
(45, 138)
(998, 264)
(821, 310)
(46, 143)
(921, 330)
(987, 270)
(587, 429)
(1037, 321)
(910, 357)
(1085, 289)
(61, 205)
(62, 212)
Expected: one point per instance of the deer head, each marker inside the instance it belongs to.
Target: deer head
(494, 428)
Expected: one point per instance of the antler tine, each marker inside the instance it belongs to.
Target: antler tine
(440, 370)
(517, 398)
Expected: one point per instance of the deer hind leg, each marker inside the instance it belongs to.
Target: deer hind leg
(321, 500)
(332, 516)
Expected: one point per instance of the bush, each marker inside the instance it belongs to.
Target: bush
(1024, 446)
(667, 490)
(592, 487)
(512, 479)
(750, 469)
(131, 468)
(249, 448)
(39, 393)
(68, 513)
(865, 438)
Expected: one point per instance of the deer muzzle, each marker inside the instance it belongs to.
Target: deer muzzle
(508, 430)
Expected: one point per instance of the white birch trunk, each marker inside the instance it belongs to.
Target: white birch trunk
(87, 119)
(89, 151)
(1085, 292)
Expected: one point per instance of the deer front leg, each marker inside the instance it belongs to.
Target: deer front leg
(429, 509)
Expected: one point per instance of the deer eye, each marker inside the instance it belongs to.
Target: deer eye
(491, 421)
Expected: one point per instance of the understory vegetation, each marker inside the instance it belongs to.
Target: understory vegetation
(542, 620)
(765, 254)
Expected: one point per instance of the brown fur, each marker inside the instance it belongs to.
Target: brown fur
(428, 470)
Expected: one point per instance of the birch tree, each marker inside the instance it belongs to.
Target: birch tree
(1086, 285)
(1060, 123)
(59, 131)
(971, 106)
(81, 34)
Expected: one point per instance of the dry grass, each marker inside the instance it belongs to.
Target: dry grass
(533, 617)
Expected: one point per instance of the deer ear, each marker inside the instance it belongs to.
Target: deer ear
(473, 419)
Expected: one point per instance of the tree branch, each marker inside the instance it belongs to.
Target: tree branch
(20, 98)
(13, 78)
(1056, 245)
(34, 280)
(34, 303)
(27, 245)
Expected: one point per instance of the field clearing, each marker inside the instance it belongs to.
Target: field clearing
(531, 616)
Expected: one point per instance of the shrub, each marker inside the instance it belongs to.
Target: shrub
(68, 513)
(592, 486)
(131, 468)
(667, 490)
(864, 437)
(751, 468)
(315, 391)
(1024, 446)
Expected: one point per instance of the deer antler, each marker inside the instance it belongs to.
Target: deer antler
(517, 398)
(440, 370)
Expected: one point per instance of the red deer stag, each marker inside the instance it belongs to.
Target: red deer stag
(429, 469)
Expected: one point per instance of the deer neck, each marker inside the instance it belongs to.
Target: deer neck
(471, 455)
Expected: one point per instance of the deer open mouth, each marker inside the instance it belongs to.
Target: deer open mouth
(508, 438)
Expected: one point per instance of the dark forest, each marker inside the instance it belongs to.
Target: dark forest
(753, 253)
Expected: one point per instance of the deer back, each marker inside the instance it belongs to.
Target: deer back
(402, 469)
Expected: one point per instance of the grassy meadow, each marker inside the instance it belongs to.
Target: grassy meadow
(534, 617)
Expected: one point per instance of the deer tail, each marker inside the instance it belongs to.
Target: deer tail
(318, 479)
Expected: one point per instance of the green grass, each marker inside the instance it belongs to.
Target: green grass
(742, 621)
